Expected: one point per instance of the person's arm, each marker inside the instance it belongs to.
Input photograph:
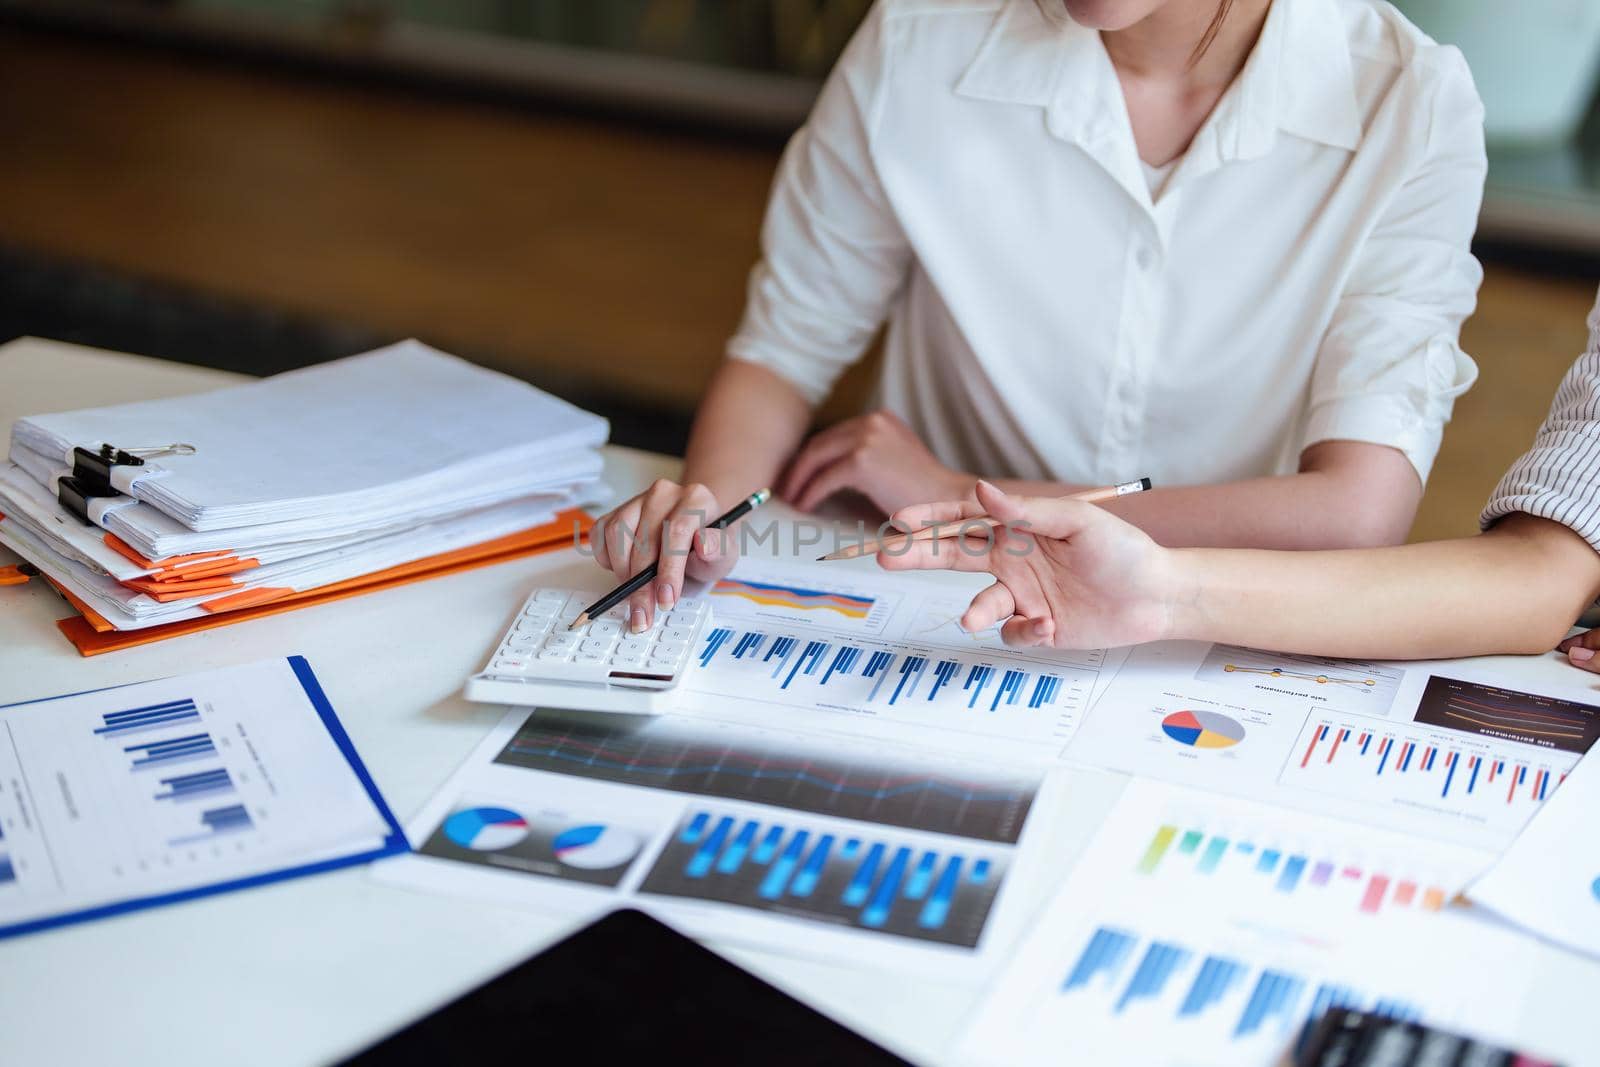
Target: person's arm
(833, 258)
(1347, 494)
(1071, 575)
(1515, 589)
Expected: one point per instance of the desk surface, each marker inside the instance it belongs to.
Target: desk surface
(305, 971)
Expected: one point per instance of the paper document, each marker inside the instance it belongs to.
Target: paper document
(1436, 749)
(146, 794)
(835, 647)
(1549, 880)
(1206, 930)
(886, 857)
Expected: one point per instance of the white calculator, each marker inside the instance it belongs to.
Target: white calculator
(601, 667)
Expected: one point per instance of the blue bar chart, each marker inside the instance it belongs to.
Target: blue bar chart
(833, 872)
(914, 791)
(151, 717)
(219, 822)
(1161, 981)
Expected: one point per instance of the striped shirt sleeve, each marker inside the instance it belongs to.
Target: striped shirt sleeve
(1559, 477)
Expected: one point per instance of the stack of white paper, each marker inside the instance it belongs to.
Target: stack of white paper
(308, 478)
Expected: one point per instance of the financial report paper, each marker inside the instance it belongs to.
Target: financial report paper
(143, 794)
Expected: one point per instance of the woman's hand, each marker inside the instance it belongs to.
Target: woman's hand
(1067, 574)
(876, 455)
(664, 523)
(1581, 650)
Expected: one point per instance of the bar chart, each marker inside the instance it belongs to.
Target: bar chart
(971, 689)
(912, 790)
(1123, 972)
(1466, 774)
(1328, 882)
(833, 872)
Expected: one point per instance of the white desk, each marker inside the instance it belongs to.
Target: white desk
(309, 970)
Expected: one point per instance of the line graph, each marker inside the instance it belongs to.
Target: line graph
(1368, 687)
(1507, 715)
(912, 791)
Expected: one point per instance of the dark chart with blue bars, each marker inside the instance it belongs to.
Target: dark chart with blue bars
(905, 789)
(850, 876)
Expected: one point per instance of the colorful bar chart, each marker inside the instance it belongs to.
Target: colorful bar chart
(913, 791)
(150, 717)
(832, 873)
(1445, 769)
(1176, 984)
(1173, 851)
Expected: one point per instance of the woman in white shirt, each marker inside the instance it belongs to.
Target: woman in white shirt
(1271, 336)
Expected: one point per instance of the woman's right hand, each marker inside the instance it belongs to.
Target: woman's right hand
(1067, 573)
(664, 524)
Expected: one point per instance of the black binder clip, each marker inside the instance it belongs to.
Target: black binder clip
(91, 474)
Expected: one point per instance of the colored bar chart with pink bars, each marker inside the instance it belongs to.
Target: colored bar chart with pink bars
(1174, 850)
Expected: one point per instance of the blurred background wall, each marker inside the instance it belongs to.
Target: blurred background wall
(571, 190)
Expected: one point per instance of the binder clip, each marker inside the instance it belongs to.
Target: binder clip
(90, 479)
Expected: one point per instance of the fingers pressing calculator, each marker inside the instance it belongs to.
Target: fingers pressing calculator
(600, 667)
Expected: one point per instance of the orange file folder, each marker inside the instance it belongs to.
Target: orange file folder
(92, 635)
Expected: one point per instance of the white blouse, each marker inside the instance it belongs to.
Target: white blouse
(969, 173)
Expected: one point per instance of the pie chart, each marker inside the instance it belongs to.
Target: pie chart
(1202, 729)
(594, 847)
(485, 829)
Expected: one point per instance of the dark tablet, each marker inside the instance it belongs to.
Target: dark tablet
(626, 989)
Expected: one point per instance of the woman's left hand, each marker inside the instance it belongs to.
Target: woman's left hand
(876, 455)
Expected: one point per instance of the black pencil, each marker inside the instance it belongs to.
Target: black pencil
(648, 575)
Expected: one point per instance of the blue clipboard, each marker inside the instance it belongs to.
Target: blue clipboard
(393, 844)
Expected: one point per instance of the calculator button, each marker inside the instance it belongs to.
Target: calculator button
(689, 606)
(555, 654)
(506, 664)
(605, 627)
(561, 640)
(534, 624)
(633, 646)
(670, 649)
(677, 633)
(588, 657)
(551, 596)
(596, 644)
(619, 613)
(628, 662)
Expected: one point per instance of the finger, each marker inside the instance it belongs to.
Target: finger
(844, 474)
(1057, 517)
(656, 506)
(939, 513)
(947, 554)
(997, 502)
(989, 607)
(1023, 632)
(1583, 657)
(695, 508)
(621, 528)
(823, 448)
(1589, 639)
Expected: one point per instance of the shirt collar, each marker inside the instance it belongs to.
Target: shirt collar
(1298, 79)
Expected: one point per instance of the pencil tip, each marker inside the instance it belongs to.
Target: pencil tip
(579, 623)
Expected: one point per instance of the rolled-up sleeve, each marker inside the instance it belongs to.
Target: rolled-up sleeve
(1559, 477)
(1391, 366)
(833, 253)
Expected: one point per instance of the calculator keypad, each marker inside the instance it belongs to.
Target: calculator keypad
(540, 646)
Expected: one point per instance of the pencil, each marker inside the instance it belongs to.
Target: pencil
(959, 528)
(648, 575)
